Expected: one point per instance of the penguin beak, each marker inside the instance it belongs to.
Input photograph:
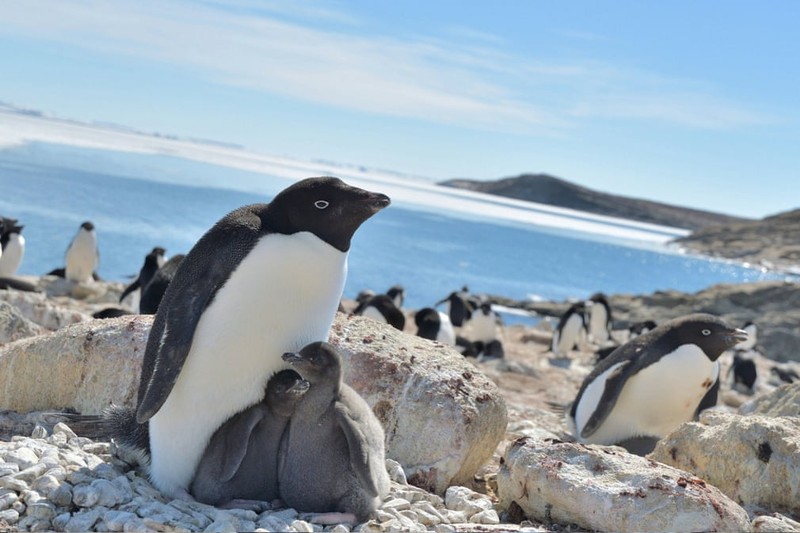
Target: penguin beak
(292, 357)
(300, 387)
(378, 200)
(737, 335)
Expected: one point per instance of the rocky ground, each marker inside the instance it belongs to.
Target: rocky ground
(52, 479)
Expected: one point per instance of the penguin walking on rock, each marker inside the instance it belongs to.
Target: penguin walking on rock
(652, 384)
(264, 280)
(82, 256)
(152, 262)
(12, 247)
(332, 460)
(571, 330)
(599, 319)
(435, 325)
(382, 308)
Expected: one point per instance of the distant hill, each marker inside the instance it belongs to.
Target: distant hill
(774, 239)
(550, 190)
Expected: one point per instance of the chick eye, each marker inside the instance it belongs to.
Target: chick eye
(321, 204)
(706, 332)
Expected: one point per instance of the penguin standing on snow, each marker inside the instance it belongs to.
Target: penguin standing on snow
(82, 255)
(652, 384)
(264, 280)
(571, 329)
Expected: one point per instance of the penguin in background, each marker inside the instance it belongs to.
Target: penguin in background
(397, 293)
(743, 365)
(82, 256)
(152, 262)
(435, 325)
(12, 247)
(640, 328)
(652, 384)
(457, 306)
(599, 318)
(382, 308)
(264, 280)
(483, 329)
(154, 290)
(570, 331)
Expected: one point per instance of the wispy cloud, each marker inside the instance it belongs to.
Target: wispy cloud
(468, 80)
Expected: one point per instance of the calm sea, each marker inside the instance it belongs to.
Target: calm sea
(52, 189)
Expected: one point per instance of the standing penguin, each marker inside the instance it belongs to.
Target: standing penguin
(82, 256)
(652, 384)
(457, 307)
(12, 247)
(152, 262)
(600, 319)
(570, 331)
(266, 279)
(153, 292)
(434, 325)
(398, 294)
(239, 467)
(332, 459)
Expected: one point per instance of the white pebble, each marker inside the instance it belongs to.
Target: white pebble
(445, 528)
(302, 526)
(23, 457)
(340, 528)
(7, 498)
(62, 495)
(32, 472)
(6, 469)
(9, 482)
(466, 500)
(115, 520)
(85, 496)
(221, 526)
(39, 432)
(9, 515)
(397, 504)
(45, 484)
(396, 472)
(62, 429)
(82, 521)
(43, 510)
(489, 516)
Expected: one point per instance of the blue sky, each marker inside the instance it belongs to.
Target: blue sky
(687, 102)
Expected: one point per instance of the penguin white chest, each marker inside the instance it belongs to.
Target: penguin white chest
(598, 323)
(447, 334)
(371, 312)
(81, 260)
(566, 339)
(655, 400)
(12, 255)
(482, 327)
(282, 296)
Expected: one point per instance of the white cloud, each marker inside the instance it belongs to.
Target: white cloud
(473, 83)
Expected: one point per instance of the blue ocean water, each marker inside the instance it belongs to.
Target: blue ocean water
(52, 189)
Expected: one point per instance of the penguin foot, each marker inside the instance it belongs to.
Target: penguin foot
(329, 519)
(258, 506)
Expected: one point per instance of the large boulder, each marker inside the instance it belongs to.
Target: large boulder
(84, 366)
(443, 418)
(754, 459)
(602, 488)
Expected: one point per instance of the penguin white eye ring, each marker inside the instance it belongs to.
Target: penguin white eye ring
(321, 204)
(706, 332)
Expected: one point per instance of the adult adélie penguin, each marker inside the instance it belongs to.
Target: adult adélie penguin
(264, 280)
(652, 384)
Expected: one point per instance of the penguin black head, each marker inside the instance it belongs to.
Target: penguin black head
(326, 207)
(316, 362)
(712, 334)
(284, 391)
(158, 251)
(88, 226)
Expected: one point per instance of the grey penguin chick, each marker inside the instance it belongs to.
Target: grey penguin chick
(264, 280)
(332, 459)
(653, 383)
(239, 468)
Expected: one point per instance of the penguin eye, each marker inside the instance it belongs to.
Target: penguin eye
(706, 332)
(321, 204)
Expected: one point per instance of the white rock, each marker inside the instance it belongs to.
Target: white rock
(23, 457)
(9, 482)
(38, 308)
(9, 515)
(752, 459)
(604, 488)
(14, 325)
(43, 510)
(90, 364)
(775, 524)
(62, 495)
(221, 526)
(85, 496)
(7, 498)
(466, 500)
(489, 516)
(82, 521)
(115, 520)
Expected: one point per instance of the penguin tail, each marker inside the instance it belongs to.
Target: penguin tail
(116, 422)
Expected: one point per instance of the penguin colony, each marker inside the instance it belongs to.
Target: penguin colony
(239, 337)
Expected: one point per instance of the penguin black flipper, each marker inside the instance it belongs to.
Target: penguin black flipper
(613, 387)
(190, 292)
(129, 289)
(237, 438)
(359, 453)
